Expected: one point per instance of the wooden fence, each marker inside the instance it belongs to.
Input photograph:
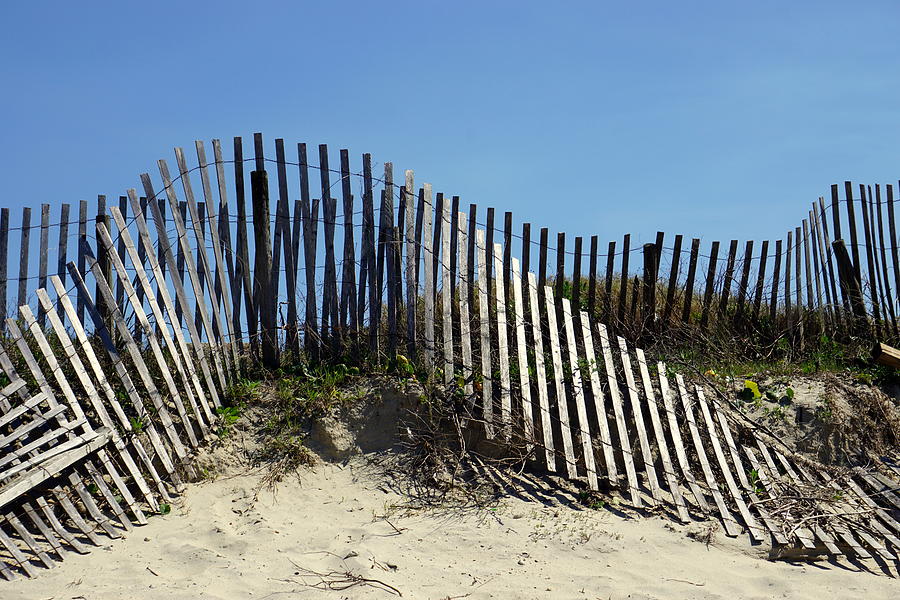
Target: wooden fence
(117, 362)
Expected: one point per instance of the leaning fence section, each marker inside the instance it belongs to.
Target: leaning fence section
(118, 354)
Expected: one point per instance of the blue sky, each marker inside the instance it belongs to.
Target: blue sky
(712, 119)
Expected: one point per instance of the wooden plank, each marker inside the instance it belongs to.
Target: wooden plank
(4, 259)
(330, 323)
(710, 284)
(446, 294)
(812, 276)
(800, 312)
(623, 278)
(826, 248)
(224, 219)
(610, 267)
(412, 291)
(660, 436)
(196, 346)
(892, 231)
(818, 257)
(485, 331)
(638, 416)
(82, 241)
(743, 290)
(519, 319)
(598, 399)
(465, 323)
(673, 280)
(851, 225)
(502, 346)
(540, 376)
(42, 258)
(25, 250)
(592, 277)
(507, 253)
(776, 274)
(882, 254)
(616, 398)
(583, 429)
(872, 276)
(576, 274)
(777, 533)
(760, 278)
(428, 261)
(310, 210)
(542, 263)
(753, 526)
(348, 278)
(242, 266)
(562, 401)
(201, 245)
(120, 248)
(689, 283)
(651, 276)
(732, 529)
(729, 277)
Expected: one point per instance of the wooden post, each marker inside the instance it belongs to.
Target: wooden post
(560, 272)
(745, 278)
(851, 224)
(610, 267)
(242, 267)
(259, 185)
(82, 240)
(689, 284)
(776, 274)
(890, 301)
(60, 256)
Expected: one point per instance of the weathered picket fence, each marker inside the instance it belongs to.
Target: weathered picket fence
(115, 380)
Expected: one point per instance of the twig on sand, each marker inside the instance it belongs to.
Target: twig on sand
(340, 580)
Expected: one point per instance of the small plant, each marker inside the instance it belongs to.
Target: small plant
(591, 500)
(164, 508)
(228, 416)
(137, 425)
(751, 392)
(753, 477)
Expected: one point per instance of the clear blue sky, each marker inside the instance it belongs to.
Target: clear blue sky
(716, 119)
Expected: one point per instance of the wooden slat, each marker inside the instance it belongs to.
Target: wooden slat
(42, 258)
(689, 283)
(540, 375)
(710, 284)
(519, 318)
(4, 259)
(638, 416)
(584, 430)
(729, 277)
(618, 410)
(623, 278)
(485, 331)
(776, 274)
(731, 526)
(446, 294)
(826, 248)
(592, 277)
(760, 278)
(562, 401)
(660, 436)
(673, 280)
(428, 261)
(882, 254)
(465, 323)
(412, 252)
(502, 345)
(598, 398)
(25, 251)
(610, 267)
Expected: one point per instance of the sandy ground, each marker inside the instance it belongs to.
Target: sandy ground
(341, 522)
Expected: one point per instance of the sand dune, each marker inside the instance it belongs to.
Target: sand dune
(344, 524)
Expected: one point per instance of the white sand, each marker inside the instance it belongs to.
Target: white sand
(217, 543)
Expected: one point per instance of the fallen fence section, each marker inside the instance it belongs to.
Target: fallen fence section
(117, 364)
